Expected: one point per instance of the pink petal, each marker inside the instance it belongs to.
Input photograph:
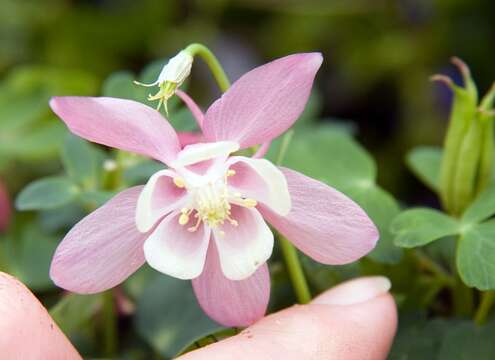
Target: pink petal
(243, 248)
(263, 103)
(122, 124)
(324, 223)
(193, 107)
(159, 197)
(190, 137)
(103, 249)
(175, 251)
(260, 180)
(232, 303)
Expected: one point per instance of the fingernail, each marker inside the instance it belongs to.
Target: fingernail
(355, 291)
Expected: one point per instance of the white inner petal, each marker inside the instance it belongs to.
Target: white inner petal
(196, 153)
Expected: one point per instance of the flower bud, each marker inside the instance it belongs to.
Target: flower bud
(173, 74)
(468, 147)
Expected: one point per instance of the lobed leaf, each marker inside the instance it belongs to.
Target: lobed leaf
(424, 162)
(420, 226)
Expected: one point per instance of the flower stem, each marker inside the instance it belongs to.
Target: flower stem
(296, 273)
(487, 301)
(212, 62)
(294, 268)
(109, 324)
(434, 268)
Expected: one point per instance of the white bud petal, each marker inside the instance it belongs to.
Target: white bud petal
(177, 69)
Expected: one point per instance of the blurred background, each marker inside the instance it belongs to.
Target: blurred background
(378, 57)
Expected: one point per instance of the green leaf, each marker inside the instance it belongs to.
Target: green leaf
(424, 162)
(468, 341)
(476, 254)
(47, 193)
(417, 338)
(169, 318)
(73, 310)
(417, 227)
(120, 85)
(141, 171)
(329, 154)
(82, 161)
(96, 198)
(482, 208)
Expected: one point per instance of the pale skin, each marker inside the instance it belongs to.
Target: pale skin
(356, 320)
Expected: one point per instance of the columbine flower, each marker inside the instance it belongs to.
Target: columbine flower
(204, 217)
(171, 77)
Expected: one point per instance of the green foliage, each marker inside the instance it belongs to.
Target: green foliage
(169, 318)
(74, 311)
(420, 226)
(329, 154)
(28, 130)
(482, 208)
(475, 236)
(475, 254)
(424, 162)
(47, 193)
(82, 162)
(25, 252)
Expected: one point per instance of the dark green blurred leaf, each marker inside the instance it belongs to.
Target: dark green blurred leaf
(47, 193)
(417, 338)
(381, 208)
(74, 310)
(61, 218)
(82, 161)
(169, 318)
(28, 255)
(140, 172)
(183, 120)
(476, 254)
(466, 341)
(420, 226)
(424, 162)
(120, 85)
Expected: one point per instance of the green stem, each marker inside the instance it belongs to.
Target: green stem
(109, 324)
(463, 299)
(212, 62)
(296, 273)
(434, 268)
(487, 301)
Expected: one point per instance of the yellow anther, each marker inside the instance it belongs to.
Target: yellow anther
(230, 172)
(249, 203)
(183, 219)
(179, 182)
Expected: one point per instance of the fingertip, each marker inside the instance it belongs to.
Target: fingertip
(362, 328)
(28, 331)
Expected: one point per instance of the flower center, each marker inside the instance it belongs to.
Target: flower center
(211, 202)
